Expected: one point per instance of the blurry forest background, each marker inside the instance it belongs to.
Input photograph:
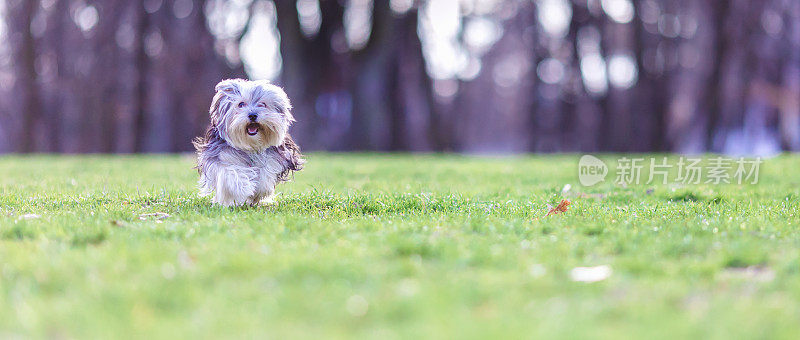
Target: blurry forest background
(477, 76)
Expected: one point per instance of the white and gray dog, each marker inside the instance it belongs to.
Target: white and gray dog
(247, 148)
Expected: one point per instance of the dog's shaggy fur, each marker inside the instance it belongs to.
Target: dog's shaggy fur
(247, 149)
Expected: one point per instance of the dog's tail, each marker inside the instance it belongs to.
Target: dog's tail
(291, 154)
(202, 143)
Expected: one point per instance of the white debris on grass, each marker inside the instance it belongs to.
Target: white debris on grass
(156, 216)
(30, 216)
(537, 270)
(357, 305)
(590, 274)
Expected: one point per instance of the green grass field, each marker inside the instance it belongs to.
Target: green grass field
(393, 246)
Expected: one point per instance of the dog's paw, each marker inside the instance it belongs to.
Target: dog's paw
(235, 186)
(267, 201)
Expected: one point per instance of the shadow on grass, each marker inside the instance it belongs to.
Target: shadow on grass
(691, 196)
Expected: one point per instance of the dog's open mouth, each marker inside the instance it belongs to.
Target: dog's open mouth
(252, 129)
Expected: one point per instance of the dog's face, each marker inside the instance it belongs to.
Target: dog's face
(251, 115)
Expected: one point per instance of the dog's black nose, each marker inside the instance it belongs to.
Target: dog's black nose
(253, 116)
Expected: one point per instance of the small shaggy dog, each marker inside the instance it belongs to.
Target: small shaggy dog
(247, 149)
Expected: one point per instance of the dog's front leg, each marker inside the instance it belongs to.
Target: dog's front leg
(264, 188)
(235, 185)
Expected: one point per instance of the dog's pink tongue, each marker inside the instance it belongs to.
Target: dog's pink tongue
(252, 129)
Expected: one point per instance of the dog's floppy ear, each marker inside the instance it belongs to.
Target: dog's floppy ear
(221, 102)
(228, 86)
(284, 105)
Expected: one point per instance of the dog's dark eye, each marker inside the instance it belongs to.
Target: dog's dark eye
(241, 104)
(262, 105)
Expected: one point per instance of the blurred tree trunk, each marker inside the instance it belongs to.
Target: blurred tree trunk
(494, 107)
(711, 100)
(652, 89)
(391, 90)
(189, 47)
(62, 106)
(380, 91)
(418, 89)
(106, 59)
(24, 53)
(142, 69)
(538, 52)
(790, 117)
(573, 111)
(313, 68)
(741, 65)
(373, 67)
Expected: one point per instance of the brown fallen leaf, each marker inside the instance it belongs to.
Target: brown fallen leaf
(560, 208)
